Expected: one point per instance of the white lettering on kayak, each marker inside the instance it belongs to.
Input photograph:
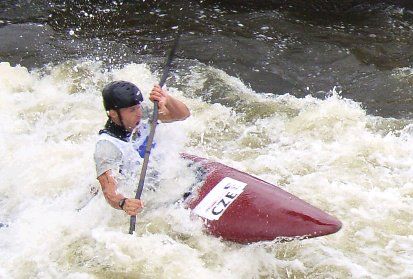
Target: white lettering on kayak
(214, 204)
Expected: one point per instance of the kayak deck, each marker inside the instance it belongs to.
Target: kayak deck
(239, 207)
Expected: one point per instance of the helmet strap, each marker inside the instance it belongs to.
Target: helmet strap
(120, 118)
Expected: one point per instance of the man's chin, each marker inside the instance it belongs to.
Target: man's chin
(130, 129)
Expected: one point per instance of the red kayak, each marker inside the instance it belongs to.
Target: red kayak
(242, 208)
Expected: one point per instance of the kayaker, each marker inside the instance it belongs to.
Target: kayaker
(121, 144)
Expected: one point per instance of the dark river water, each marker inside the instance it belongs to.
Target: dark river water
(365, 48)
(315, 97)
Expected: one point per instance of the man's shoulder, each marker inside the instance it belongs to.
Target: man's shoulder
(107, 156)
(106, 148)
(104, 142)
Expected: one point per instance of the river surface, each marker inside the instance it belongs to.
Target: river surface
(313, 96)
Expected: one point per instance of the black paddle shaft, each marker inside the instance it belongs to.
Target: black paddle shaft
(165, 74)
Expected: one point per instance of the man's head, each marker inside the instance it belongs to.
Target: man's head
(121, 94)
(121, 100)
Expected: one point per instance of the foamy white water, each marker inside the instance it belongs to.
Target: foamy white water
(328, 152)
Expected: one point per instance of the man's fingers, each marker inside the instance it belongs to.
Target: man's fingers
(155, 97)
(134, 203)
(133, 206)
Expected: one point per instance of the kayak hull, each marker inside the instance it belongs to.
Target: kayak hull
(259, 211)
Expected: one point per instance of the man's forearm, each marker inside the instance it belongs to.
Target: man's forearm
(177, 110)
(109, 189)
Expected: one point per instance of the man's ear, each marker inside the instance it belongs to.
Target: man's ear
(112, 114)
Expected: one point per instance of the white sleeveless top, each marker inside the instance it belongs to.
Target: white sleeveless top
(127, 164)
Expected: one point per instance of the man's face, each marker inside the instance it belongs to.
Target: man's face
(131, 117)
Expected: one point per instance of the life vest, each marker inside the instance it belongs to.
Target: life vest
(133, 150)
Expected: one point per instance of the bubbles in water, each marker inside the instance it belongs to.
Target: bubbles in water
(322, 150)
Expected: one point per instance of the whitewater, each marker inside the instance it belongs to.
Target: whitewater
(328, 152)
